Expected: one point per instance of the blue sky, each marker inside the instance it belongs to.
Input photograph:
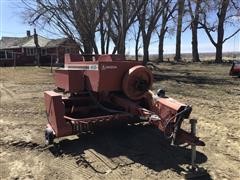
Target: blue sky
(12, 24)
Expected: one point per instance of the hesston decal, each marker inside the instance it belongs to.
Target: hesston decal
(108, 67)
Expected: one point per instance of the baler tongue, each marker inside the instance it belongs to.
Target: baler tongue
(169, 122)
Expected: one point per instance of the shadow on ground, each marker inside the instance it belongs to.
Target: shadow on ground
(141, 144)
(190, 79)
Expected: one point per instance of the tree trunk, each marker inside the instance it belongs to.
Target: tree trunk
(145, 55)
(107, 43)
(114, 50)
(179, 30)
(146, 42)
(160, 49)
(178, 46)
(137, 44)
(95, 47)
(102, 34)
(121, 45)
(87, 47)
(161, 41)
(218, 57)
(220, 34)
(161, 38)
(165, 18)
(194, 27)
(195, 54)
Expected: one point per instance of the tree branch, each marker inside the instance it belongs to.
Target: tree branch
(208, 34)
(231, 35)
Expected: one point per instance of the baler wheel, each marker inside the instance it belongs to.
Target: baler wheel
(136, 82)
(49, 136)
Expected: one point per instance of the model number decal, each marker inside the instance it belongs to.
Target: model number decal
(93, 67)
(109, 67)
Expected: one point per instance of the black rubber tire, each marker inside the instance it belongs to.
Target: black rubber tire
(49, 136)
(161, 93)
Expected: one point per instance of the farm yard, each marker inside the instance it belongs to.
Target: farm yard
(132, 152)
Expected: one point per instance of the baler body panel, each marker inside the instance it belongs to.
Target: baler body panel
(69, 80)
(55, 112)
(108, 77)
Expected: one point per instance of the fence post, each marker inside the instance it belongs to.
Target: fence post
(14, 60)
(51, 62)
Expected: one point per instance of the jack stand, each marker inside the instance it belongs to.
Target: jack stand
(194, 171)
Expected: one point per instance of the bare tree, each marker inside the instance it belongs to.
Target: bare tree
(136, 33)
(166, 16)
(137, 47)
(102, 30)
(77, 19)
(194, 14)
(122, 14)
(108, 30)
(179, 30)
(148, 18)
(226, 11)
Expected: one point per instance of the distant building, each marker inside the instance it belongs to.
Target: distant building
(34, 48)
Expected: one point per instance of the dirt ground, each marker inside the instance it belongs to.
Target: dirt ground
(134, 152)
